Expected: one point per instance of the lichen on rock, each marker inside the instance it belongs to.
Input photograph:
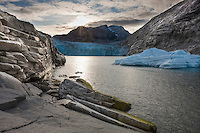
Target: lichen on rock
(83, 90)
(80, 96)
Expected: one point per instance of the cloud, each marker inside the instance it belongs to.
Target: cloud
(118, 22)
(52, 29)
(64, 13)
(3, 1)
(130, 25)
(55, 19)
(123, 22)
(159, 5)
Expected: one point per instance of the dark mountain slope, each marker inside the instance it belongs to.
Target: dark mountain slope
(176, 28)
(99, 34)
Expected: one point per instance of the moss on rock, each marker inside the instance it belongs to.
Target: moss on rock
(116, 103)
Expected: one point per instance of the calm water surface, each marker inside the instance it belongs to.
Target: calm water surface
(168, 98)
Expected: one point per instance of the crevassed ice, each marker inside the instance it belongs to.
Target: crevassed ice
(160, 58)
(90, 49)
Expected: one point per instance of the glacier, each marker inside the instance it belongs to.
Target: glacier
(90, 49)
(161, 59)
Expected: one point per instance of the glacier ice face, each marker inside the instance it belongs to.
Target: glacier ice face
(159, 58)
(90, 49)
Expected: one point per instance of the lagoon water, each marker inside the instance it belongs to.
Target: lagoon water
(168, 98)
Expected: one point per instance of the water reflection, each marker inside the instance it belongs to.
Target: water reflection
(168, 98)
(80, 64)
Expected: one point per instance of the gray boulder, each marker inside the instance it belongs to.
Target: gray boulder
(176, 28)
(83, 90)
(12, 91)
(26, 53)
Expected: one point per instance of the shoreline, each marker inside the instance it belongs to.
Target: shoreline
(73, 92)
(38, 112)
(37, 102)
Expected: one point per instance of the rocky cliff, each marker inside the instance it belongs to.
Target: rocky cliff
(176, 28)
(97, 34)
(26, 53)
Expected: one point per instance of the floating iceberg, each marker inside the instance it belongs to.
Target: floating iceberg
(159, 58)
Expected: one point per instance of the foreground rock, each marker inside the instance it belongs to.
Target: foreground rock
(88, 94)
(35, 111)
(81, 97)
(12, 91)
(176, 28)
(26, 53)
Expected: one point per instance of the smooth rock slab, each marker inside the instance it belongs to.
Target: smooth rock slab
(9, 82)
(7, 103)
(44, 117)
(8, 45)
(109, 115)
(18, 56)
(11, 91)
(6, 66)
(85, 92)
(7, 60)
(9, 98)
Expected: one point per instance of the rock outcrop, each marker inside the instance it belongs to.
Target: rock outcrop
(26, 53)
(87, 93)
(12, 91)
(176, 28)
(97, 34)
(25, 108)
(80, 96)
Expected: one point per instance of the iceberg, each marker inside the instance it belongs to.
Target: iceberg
(162, 59)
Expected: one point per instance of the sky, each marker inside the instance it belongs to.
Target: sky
(61, 16)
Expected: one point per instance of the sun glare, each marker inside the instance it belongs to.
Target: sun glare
(80, 21)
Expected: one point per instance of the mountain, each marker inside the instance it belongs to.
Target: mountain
(97, 41)
(176, 28)
(26, 53)
(97, 34)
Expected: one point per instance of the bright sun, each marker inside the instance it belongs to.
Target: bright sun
(80, 21)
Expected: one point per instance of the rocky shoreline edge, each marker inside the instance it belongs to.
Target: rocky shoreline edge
(31, 101)
(50, 103)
